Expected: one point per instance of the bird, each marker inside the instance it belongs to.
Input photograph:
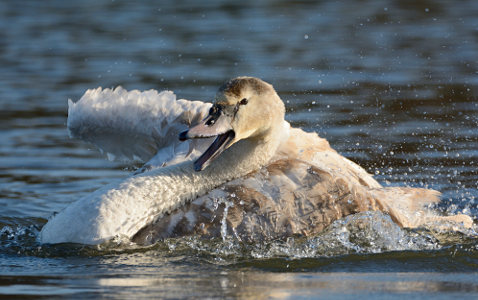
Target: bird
(231, 168)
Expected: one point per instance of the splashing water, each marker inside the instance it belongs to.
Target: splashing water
(363, 233)
(227, 204)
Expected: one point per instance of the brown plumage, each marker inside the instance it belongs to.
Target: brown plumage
(299, 193)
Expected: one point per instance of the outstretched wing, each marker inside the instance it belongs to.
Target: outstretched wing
(135, 125)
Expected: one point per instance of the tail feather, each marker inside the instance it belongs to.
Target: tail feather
(410, 207)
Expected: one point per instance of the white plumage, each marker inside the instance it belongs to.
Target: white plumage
(134, 125)
(273, 180)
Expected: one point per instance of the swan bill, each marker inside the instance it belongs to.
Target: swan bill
(216, 124)
(220, 144)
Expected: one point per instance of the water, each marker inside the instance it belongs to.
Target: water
(393, 85)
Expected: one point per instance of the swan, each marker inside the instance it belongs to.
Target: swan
(232, 167)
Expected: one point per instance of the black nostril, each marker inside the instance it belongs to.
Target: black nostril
(210, 122)
(183, 135)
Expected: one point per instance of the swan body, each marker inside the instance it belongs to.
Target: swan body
(239, 168)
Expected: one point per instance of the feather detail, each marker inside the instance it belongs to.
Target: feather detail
(134, 125)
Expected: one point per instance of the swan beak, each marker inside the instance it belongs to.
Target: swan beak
(215, 124)
(209, 127)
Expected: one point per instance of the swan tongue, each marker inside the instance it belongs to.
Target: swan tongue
(217, 147)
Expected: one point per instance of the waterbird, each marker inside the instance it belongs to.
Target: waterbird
(233, 167)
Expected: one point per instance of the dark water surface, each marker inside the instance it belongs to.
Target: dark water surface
(393, 85)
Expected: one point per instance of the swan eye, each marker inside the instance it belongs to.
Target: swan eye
(243, 102)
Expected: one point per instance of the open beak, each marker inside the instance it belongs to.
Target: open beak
(215, 124)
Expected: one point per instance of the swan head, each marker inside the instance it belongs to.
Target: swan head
(244, 108)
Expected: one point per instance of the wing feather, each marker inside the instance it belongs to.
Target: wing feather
(134, 125)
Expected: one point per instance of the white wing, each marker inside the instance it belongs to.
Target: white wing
(135, 125)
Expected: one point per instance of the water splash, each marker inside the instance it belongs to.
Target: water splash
(227, 204)
(363, 233)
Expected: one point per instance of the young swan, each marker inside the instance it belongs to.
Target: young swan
(259, 179)
(297, 184)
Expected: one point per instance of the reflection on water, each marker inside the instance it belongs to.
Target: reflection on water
(147, 275)
(174, 282)
(258, 285)
(391, 84)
